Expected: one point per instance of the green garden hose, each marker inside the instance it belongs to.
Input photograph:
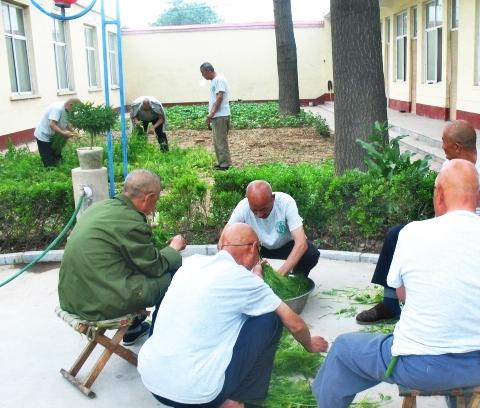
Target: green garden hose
(53, 244)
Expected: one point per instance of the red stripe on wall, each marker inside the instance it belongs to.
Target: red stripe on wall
(434, 112)
(404, 106)
(473, 118)
(23, 136)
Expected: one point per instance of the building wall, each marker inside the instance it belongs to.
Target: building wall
(164, 62)
(457, 95)
(19, 114)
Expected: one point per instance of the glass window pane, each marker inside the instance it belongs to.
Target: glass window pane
(455, 12)
(92, 71)
(431, 55)
(21, 60)
(89, 36)
(439, 54)
(414, 23)
(61, 63)
(439, 13)
(430, 19)
(17, 21)
(399, 25)
(400, 54)
(6, 18)
(404, 23)
(11, 65)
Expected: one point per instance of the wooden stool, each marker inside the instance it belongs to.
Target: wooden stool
(410, 396)
(95, 330)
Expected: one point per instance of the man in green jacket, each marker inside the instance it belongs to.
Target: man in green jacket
(110, 266)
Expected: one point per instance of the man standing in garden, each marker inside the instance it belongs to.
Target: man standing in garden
(218, 117)
(54, 121)
(111, 266)
(218, 328)
(275, 219)
(147, 109)
(459, 142)
(435, 270)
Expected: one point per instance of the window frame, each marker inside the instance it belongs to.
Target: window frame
(414, 22)
(63, 47)
(401, 35)
(112, 59)
(437, 27)
(18, 37)
(91, 55)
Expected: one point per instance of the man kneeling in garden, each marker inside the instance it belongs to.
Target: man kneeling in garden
(435, 268)
(110, 266)
(275, 219)
(218, 328)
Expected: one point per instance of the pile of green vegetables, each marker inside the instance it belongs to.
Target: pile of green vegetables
(285, 287)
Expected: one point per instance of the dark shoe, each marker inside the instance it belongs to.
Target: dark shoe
(132, 336)
(217, 167)
(377, 314)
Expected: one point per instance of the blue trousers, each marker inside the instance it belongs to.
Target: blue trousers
(248, 375)
(357, 361)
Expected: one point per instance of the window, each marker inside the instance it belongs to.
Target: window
(433, 41)
(61, 55)
(17, 55)
(112, 57)
(387, 30)
(414, 22)
(91, 52)
(455, 13)
(401, 45)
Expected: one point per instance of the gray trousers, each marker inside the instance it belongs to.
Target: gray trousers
(357, 361)
(220, 141)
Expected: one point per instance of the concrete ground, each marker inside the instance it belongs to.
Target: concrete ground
(36, 344)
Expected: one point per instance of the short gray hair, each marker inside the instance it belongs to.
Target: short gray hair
(141, 182)
(206, 66)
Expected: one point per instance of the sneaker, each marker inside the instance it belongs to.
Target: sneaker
(377, 314)
(221, 168)
(131, 337)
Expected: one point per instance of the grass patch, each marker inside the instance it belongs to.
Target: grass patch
(368, 296)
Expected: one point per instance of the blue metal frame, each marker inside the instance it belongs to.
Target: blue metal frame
(105, 22)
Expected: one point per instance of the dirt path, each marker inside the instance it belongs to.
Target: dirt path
(256, 146)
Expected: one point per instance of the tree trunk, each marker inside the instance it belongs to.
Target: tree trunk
(288, 98)
(358, 77)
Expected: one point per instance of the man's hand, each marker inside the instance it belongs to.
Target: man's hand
(317, 345)
(151, 130)
(178, 243)
(257, 270)
(68, 134)
(283, 271)
(208, 120)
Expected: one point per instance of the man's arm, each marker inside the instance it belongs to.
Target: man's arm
(159, 121)
(53, 124)
(401, 294)
(299, 248)
(296, 325)
(215, 106)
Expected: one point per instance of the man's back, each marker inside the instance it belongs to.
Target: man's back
(110, 266)
(437, 261)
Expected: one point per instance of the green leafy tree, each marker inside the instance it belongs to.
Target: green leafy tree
(182, 13)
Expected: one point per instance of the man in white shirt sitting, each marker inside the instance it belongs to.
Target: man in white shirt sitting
(275, 219)
(218, 328)
(435, 270)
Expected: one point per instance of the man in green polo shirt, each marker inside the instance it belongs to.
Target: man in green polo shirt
(110, 266)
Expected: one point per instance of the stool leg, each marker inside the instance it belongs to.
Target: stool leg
(98, 367)
(84, 355)
(409, 401)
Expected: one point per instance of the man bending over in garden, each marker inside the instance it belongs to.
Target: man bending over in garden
(146, 110)
(54, 121)
(110, 266)
(435, 270)
(459, 142)
(218, 328)
(275, 219)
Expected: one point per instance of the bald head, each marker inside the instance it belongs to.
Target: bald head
(140, 182)
(240, 241)
(260, 198)
(70, 102)
(460, 141)
(456, 187)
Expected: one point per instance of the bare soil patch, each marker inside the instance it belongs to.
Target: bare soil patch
(257, 146)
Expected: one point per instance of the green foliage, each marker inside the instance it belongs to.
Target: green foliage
(384, 158)
(293, 370)
(182, 13)
(93, 119)
(285, 287)
(245, 116)
(367, 296)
